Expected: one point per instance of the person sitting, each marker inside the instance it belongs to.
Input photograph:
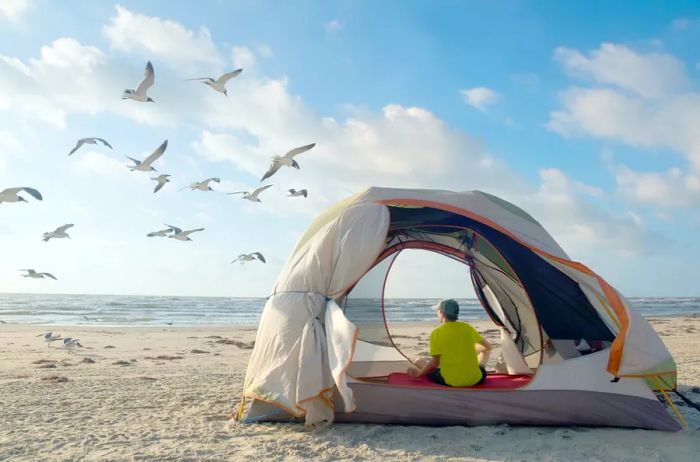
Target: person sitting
(458, 352)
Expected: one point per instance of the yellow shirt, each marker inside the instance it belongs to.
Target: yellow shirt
(455, 343)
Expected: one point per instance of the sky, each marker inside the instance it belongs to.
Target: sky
(585, 114)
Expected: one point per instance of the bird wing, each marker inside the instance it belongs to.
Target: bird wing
(190, 231)
(299, 150)
(148, 79)
(303, 192)
(215, 180)
(29, 271)
(237, 192)
(104, 142)
(175, 229)
(136, 161)
(259, 256)
(159, 186)
(156, 154)
(292, 191)
(62, 229)
(33, 192)
(228, 76)
(272, 170)
(260, 189)
(77, 146)
(202, 78)
(50, 275)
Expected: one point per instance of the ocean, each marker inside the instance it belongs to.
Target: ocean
(122, 310)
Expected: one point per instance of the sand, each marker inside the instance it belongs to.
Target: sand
(167, 394)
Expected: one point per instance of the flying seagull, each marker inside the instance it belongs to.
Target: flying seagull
(59, 233)
(252, 196)
(287, 159)
(33, 274)
(220, 83)
(12, 194)
(181, 235)
(140, 93)
(161, 179)
(50, 337)
(146, 166)
(244, 257)
(294, 193)
(161, 233)
(83, 141)
(203, 185)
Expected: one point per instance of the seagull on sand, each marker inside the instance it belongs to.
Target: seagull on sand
(12, 194)
(294, 193)
(244, 257)
(203, 185)
(70, 343)
(50, 337)
(287, 160)
(161, 233)
(252, 196)
(59, 233)
(161, 179)
(146, 166)
(140, 93)
(33, 274)
(181, 235)
(220, 83)
(83, 141)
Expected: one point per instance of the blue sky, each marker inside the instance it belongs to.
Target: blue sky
(583, 113)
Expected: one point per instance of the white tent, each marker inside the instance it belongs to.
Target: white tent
(315, 358)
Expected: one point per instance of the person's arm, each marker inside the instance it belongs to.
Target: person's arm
(483, 350)
(429, 367)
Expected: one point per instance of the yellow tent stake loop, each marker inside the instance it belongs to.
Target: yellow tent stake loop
(673, 406)
(239, 414)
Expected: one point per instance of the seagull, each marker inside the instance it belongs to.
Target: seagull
(203, 185)
(161, 233)
(83, 141)
(70, 343)
(50, 337)
(294, 193)
(146, 166)
(244, 257)
(252, 196)
(220, 83)
(161, 179)
(12, 194)
(287, 159)
(140, 93)
(33, 274)
(88, 319)
(181, 235)
(59, 233)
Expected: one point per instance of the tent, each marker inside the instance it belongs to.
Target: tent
(322, 355)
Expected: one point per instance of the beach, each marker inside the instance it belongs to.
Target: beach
(166, 393)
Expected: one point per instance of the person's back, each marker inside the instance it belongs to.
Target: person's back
(455, 342)
(457, 351)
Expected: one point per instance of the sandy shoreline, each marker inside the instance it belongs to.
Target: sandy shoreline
(167, 393)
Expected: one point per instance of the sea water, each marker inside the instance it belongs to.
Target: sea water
(126, 310)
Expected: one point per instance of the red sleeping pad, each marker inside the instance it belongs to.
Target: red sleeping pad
(493, 381)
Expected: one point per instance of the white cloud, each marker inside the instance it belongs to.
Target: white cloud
(672, 188)
(651, 75)
(562, 206)
(160, 38)
(13, 9)
(479, 97)
(332, 26)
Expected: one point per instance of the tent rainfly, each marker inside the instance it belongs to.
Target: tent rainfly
(322, 356)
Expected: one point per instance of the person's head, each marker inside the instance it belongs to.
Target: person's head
(447, 310)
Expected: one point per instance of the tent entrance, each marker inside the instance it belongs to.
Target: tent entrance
(499, 291)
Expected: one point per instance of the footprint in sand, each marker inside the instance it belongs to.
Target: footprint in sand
(121, 363)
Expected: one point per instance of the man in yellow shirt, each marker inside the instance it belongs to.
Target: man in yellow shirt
(458, 351)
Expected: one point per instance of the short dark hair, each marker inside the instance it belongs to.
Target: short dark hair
(451, 318)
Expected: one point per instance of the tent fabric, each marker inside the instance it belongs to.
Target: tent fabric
(493, 381)
(305, 346)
